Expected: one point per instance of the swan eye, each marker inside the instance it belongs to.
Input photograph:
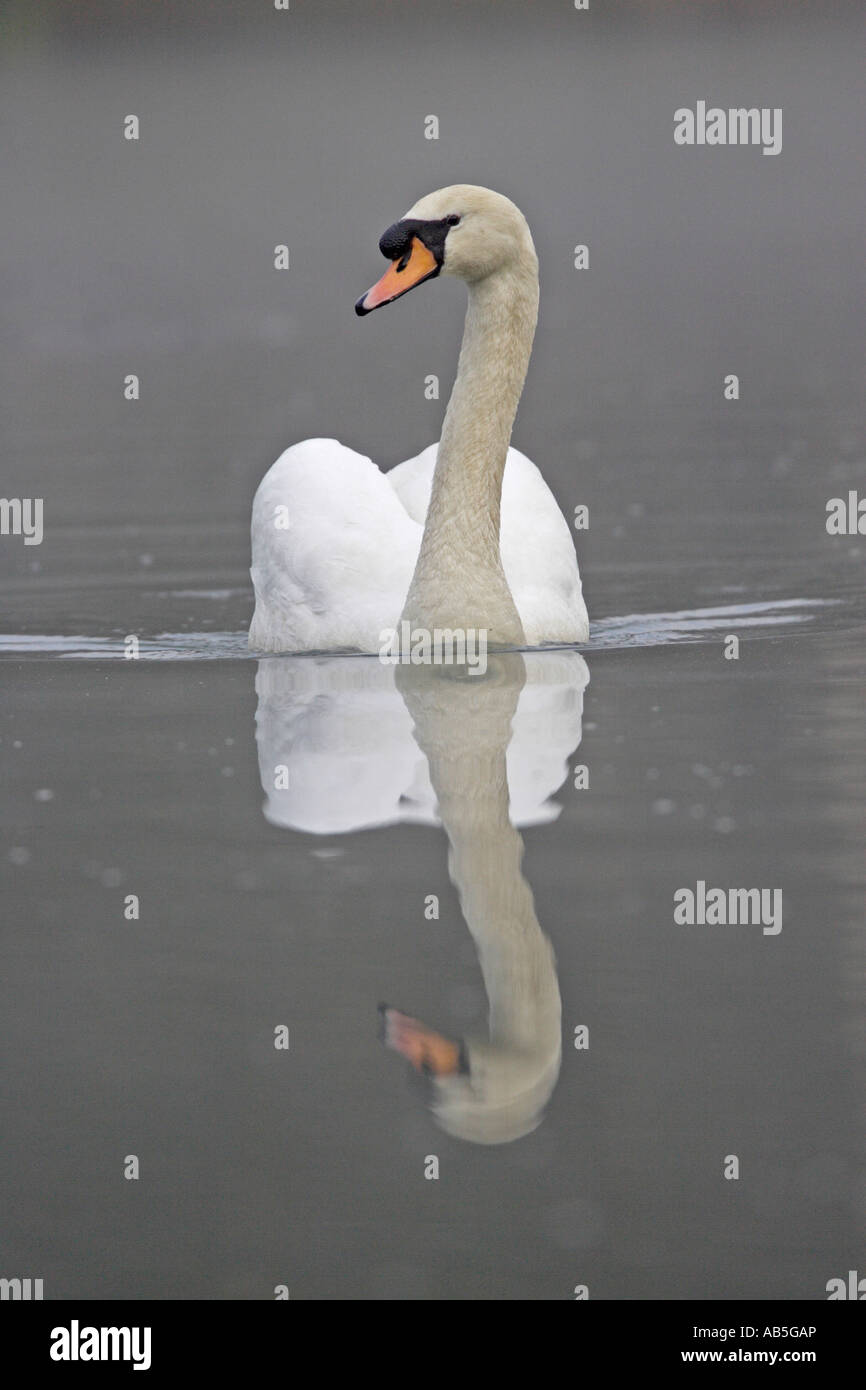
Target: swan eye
(452, 219)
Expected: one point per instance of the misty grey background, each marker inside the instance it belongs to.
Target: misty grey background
(157, 258)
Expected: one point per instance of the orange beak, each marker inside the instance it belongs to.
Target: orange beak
(430, 1053)
(414, 267)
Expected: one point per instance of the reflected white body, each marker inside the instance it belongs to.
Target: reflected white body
(342, 730)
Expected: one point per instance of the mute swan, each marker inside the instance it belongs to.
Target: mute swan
(465, 536)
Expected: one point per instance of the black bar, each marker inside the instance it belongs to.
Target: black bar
(221, 1337)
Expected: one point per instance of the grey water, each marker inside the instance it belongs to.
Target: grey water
(152, 777)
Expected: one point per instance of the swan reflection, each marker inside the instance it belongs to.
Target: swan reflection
(346, 744)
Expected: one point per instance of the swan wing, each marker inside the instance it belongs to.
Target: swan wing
(333, 551)
(538, 557)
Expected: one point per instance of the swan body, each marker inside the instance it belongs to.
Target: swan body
(338, 575)
(465, 536)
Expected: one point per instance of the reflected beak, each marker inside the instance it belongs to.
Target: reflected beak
(414, 267)
(430, 1053)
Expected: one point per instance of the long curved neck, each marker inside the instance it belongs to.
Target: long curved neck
(459, 580)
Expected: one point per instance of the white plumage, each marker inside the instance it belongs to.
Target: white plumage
(338, 574)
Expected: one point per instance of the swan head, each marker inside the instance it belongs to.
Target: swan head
(463, 230)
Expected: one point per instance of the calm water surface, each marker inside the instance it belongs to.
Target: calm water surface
(305, 907)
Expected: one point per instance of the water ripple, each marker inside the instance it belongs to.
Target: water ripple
(633, 630)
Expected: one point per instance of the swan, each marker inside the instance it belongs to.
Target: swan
(465, 536)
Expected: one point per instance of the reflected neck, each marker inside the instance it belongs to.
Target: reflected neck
(463, 728)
